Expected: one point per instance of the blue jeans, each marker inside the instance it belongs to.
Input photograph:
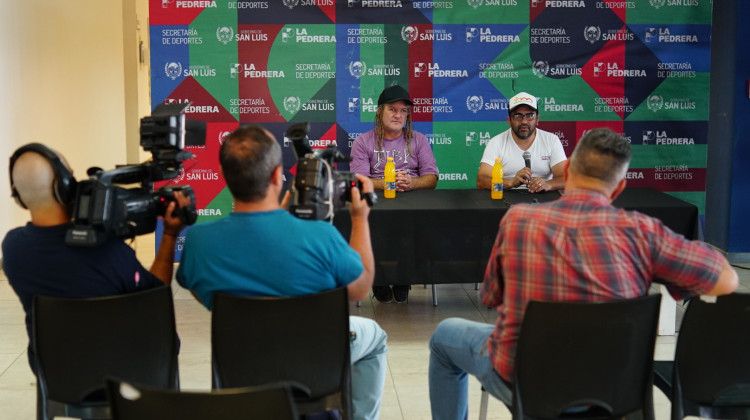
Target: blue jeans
(369, 367)
(458, 347)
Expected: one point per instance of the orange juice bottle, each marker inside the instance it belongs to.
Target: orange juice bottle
(390, 179)
(497, 180)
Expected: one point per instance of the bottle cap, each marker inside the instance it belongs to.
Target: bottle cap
(390, 158)
(498, 160)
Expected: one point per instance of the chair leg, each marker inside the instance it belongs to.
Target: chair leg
(476, 286)
(359, 303)
(41, 407)
(434, 294)
(483, 405)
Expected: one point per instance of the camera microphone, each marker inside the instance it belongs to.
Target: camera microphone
(331, 154)
(297, 134)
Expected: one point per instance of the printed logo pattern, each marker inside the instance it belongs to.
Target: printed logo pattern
(590, 63)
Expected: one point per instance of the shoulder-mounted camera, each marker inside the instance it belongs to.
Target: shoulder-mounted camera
(104, 208)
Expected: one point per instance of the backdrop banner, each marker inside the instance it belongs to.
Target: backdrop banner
(640, 67)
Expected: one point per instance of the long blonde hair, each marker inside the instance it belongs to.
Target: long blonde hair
(380, 129)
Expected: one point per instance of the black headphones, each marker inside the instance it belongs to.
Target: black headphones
(64, 186)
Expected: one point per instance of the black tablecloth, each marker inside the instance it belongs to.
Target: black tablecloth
(445, 236)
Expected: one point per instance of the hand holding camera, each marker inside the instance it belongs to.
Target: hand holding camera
(104, 210)
(360, 203)
(180, 209)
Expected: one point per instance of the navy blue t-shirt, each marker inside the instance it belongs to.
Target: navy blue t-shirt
(37, 261)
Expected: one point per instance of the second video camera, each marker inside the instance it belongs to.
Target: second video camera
(318, 190)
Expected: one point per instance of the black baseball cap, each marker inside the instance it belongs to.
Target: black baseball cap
(394, 93)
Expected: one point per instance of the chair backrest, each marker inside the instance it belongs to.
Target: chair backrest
(78, 342)
(269, 402)
(597, 355)
(712, 355)
(304, 339)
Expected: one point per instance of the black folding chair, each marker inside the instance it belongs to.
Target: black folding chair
(304, 340)
(586, 360)
(268, 402)
(79, 342)
(710, 374)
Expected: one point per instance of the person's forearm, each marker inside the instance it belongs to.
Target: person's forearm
(727, 283)
(378, 184)
(361, 243)
(556, 183)
(163, 265)
(509, 183)
(484, 182)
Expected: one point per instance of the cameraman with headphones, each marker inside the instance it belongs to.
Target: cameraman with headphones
(36, 259)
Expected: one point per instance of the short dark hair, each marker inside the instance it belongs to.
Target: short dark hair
(248, 157)
(602, 154)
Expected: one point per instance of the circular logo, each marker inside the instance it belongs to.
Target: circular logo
(592, 33)
(409, 33)
(173, 70)
(540, 68)
(292, 104)
(357, 68)
(655, 103)
(657, 3)
(474, 103)
(291, 3)
(224, 34)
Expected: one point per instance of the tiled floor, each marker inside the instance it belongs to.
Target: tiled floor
(409, 327)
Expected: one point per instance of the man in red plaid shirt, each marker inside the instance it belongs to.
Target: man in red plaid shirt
(578, 248)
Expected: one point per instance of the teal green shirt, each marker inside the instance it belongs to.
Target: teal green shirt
(265, 254)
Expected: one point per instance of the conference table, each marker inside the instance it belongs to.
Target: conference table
(445, 236)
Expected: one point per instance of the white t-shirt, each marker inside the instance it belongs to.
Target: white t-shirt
(546, 152)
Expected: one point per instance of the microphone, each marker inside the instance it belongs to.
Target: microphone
(527, 159)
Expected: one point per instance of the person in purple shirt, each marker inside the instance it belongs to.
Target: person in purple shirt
(411, 152)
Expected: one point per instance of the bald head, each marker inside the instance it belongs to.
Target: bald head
(33, 179)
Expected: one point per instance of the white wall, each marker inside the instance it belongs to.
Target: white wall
(10, 71)
(62, 83)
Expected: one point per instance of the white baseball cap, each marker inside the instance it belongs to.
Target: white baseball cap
(522, 98)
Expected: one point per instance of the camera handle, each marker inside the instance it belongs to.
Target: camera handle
(370, 198)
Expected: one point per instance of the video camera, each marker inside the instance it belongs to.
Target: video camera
(104, 210)
(318, 190)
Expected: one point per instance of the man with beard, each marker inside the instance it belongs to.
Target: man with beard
(579, 248)
(546, 156)
(394, 137)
